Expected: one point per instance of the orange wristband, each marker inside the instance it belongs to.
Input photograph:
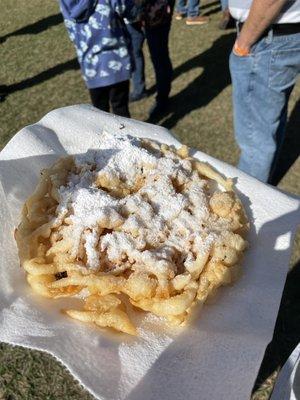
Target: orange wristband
(240, 52)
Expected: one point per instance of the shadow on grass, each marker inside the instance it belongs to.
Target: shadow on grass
(290, 149)
(214, 3)
(36, 27)
(206, 86)
(43, 76)
(212, 11)
(287, 329)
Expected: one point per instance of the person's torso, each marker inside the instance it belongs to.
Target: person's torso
(290, 13)
(102, 44)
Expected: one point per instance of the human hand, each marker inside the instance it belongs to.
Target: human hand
(241, 49)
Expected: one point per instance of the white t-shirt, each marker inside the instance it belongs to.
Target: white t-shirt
(290, 13)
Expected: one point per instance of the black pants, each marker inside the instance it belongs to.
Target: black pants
(157, 39)
(115, 95)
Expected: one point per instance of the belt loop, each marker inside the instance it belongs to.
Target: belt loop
(270, 36)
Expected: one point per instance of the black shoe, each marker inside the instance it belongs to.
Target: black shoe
(158, 110)
(136, 97)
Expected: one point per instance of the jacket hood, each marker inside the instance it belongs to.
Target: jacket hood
(79, 10)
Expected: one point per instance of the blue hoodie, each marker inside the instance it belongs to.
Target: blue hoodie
(101, 39)
(78, 10)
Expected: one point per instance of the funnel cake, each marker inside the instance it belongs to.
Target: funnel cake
(133, 220)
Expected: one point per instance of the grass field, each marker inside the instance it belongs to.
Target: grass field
(39, 67)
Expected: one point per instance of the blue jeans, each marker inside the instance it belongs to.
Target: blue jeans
(189, 7)
(138, 76)
(262, 83)
(224, 4)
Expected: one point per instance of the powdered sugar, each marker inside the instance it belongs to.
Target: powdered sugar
(91, 240)
(120, 156)
(158, 215)
(163, 198)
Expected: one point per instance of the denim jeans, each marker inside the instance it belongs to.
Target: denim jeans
(138, 76)
(224, 4)
(188, 7)
(262, 83)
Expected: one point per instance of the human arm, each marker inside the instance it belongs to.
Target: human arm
(262, 14)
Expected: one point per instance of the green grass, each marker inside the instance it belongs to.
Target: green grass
(38, 66)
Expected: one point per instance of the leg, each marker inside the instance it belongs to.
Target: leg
(226, 17)
(193, 8)
(100, 97)
(193, 14)
(157, 39)
(138, 75)
(119, 96)
(279, 139)
(288, 150)
(262, 83)
(224, 5)
(181, 7)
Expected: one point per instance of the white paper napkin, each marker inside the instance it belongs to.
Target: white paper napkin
(214, 359)
(287, 385)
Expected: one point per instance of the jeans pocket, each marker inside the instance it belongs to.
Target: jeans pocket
(242, 57)
(239, 56)
(284, 68)
(238, 64)
(256, 48)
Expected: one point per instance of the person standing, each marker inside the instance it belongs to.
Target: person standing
(264, 65)
(154, 26)
(102, 43)
(191, 9)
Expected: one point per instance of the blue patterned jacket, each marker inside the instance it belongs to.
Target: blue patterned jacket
(101, 39)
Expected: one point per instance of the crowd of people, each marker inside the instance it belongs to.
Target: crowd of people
(265, 61)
